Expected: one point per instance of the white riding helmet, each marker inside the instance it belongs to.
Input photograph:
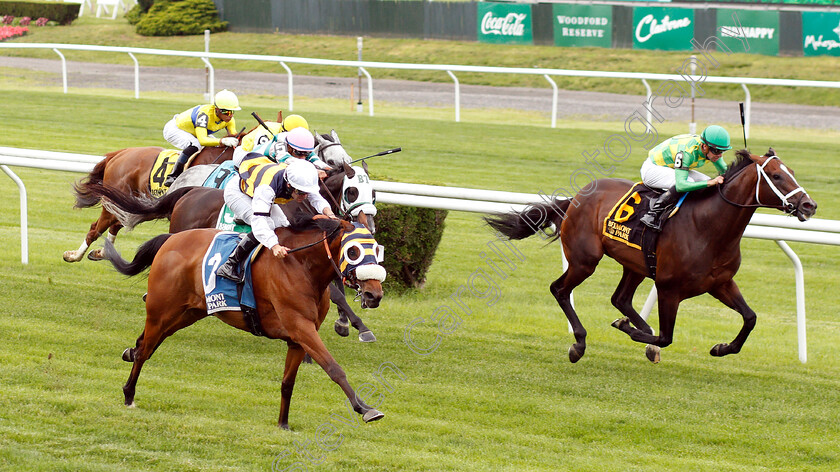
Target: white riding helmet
(300, 139)
(302, 175)
(226, 100)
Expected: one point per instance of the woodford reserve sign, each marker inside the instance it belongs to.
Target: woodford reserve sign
(504, 23)
(582, 25)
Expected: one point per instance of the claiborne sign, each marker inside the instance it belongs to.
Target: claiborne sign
(582, 25)
(669, 29)
(820, 33)
(504, 23)
(759, 28)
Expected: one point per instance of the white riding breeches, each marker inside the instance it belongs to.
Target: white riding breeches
(262, 226)
(178, 137)
(662, 177)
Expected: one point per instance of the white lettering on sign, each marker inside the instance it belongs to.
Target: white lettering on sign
(649, 27)
(510, 25)
(749, 32)
(582, 20)
(583, 32)
(819, 42)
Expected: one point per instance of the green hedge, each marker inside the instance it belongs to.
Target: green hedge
(180, 17)
(411, 236)
(62, 13)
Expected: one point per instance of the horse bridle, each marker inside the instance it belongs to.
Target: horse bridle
(787, 206)
(348, 283)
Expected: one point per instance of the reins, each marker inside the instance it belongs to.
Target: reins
(327, 248)
(787, 207)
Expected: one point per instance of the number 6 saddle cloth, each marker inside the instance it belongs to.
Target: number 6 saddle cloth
(623, 222)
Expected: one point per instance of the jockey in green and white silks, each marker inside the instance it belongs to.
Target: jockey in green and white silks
(671, 166)
(191, 130)
(261, 136)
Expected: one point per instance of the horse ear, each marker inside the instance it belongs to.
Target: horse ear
(364, 166)
(317, 136)
(348, 171)
(280, 116)
(334, 136)
(771, 152)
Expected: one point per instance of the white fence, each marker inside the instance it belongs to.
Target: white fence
(774, 227)
(448, 68)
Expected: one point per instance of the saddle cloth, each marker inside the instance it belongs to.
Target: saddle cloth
(623, 221)
(227, 221)
(162, 167)
(220, 175)
(220, 293)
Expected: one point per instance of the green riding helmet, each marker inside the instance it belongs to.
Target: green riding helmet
(716, 137)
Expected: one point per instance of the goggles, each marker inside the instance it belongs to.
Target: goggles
(221, 111)
(297, 152)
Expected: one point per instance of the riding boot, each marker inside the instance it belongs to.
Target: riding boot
(231, 269)
(179, 165)
(653, 218)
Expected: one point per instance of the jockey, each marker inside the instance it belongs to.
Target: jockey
(255, 196)
(190, 130)
(297, 143)
(259, 135)
(670, 165)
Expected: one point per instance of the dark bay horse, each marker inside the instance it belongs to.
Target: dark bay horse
(199, 207)
(290, 294)
(128, 170)
(698, 250)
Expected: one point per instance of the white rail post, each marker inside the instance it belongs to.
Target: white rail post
(649, 114)
(747, 101)
(457, 96)
(24, 223)
(212, 78)
(291, 93)
(63, 67)
(136, 75)
(799, 276)
(553, 100)
(370, 91)
(208, 90)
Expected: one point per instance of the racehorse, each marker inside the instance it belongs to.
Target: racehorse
(290, 296)
(698, 249)
(199, 207)
(328, 148)
(128, 170)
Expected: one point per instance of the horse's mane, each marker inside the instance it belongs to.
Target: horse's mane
(741, 160)
(302, 221)
(328, 137)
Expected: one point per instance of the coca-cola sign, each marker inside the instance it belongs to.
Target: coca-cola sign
(504, 23)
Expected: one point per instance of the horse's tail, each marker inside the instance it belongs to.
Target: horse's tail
(535, 217)
(142, 260)
(84, 197)
(133, 209)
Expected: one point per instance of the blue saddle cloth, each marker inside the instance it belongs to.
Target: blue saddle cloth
(220, 293)
(220, 175)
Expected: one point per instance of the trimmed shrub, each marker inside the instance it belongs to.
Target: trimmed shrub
(63, 13)
(182, 17)
(411, 236)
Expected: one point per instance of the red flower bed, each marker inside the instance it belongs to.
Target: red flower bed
(7, 32)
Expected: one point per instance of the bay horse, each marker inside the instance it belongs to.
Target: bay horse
(698, 249)
(199, 207)
(128, 170)
(291, 297)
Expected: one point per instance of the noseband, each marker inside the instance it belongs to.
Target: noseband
(786, 205)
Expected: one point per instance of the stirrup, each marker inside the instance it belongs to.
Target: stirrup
(169, 180)
(652, 221)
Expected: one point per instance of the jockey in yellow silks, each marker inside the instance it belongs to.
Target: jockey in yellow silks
(191, 130)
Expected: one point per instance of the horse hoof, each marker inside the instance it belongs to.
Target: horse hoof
(652, 353)
(71, 256)
(621, 324)
(95, 255)
(284, 427)
(144, 296)
(343, 330)
(574, 354)
(372, 415)
(128, 355)
(130, 405)
(367, 336)
(719, 350)
(307, 359)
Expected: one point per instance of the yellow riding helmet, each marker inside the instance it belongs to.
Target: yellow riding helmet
(226, 100)
(295, 121)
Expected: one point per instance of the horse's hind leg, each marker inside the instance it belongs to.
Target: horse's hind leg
(99, 226)
(562, 290)
(346, 316)
(729, 294)
(157, 329)
(293, 360)
(96, 255)
(306, 335)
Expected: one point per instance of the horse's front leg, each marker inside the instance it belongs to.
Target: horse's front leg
(96, 255)
(729, 294)
(346, 316)
(632, 322)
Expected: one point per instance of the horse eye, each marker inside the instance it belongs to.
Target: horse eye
(351, 194)
(353, 253)
(777, 177)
